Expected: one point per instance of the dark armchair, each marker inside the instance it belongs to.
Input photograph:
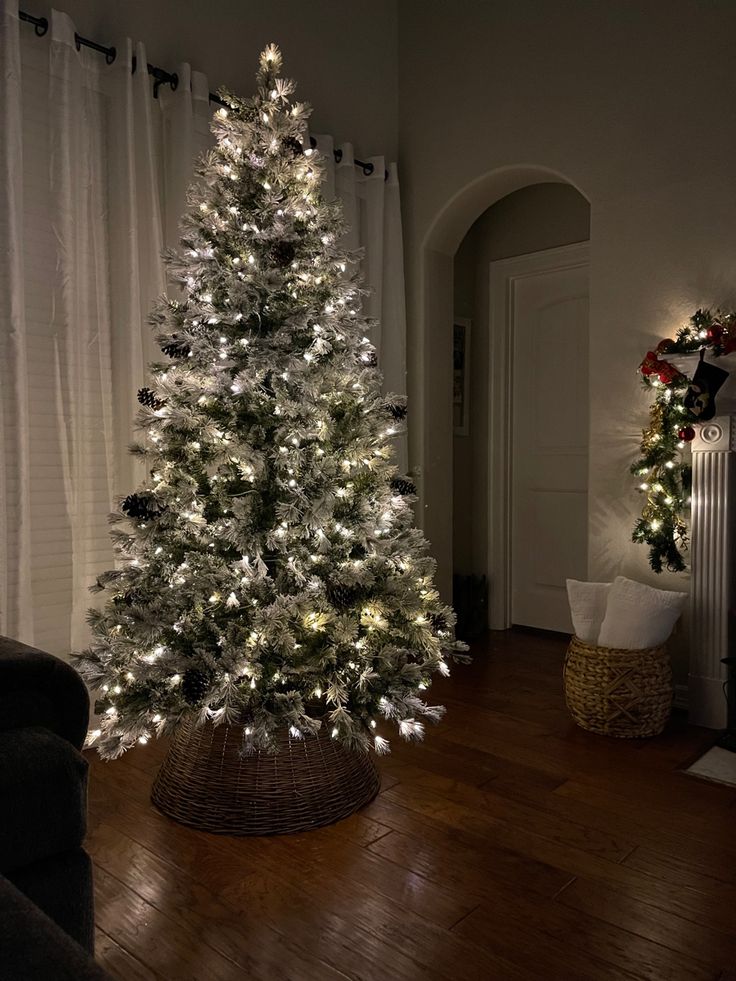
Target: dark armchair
(45, 874)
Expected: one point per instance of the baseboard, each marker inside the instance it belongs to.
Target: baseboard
(707, 702)
(520, 628)
(681, 697)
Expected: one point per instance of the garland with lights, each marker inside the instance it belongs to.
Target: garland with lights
(666, 478)
(270, 575)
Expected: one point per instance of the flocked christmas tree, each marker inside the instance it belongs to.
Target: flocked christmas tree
(270, 574)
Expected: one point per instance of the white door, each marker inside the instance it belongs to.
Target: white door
(547, 329)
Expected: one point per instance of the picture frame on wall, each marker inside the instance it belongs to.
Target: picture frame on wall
(461, 376)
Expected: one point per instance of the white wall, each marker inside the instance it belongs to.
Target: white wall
(343, 55)
(633, 103)
(541, 216)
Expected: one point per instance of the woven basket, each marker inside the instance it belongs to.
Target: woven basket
(618, 693)
(205, 782)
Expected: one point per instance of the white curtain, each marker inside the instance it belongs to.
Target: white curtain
(372, 207)
(93, 174)
(92, 168)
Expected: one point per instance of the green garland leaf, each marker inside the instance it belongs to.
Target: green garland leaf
(665, 477)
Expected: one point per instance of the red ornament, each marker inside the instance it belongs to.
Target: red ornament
(686, 434)
(665, 345)
(714, 333)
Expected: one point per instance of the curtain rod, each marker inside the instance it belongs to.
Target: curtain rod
(160, 75)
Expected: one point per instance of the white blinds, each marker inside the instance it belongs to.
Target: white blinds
(93, 172)
(15, 532)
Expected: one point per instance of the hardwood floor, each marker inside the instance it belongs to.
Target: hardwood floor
(511, 845)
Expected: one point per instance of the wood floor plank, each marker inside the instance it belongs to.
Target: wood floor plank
(161, 943)
(657, 807)
(629, 823)
(682, 875)
(118, 962)
(446, 760)
(480, 812)
(574, 945)
(533, 860)
(434, 952)
(425, 855)
(676, 933)
(200, 913)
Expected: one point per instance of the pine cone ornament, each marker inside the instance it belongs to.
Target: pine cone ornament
(212, 511)
(438, 621)
(283, 253)
(267, 386)
(141, 507)
(396, 405)
(403, 486)
(194, 685)
(255, 321)
(150, 399)
(176, 348)
(294, 145)
(339, 594)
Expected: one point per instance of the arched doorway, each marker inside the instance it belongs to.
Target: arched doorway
(448, 494)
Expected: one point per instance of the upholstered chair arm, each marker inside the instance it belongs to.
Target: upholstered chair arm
(38, 689)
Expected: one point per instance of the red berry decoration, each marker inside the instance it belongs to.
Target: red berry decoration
(667, 372)
(686, 434)
(650, 365)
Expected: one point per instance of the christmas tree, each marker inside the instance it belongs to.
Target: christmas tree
(270, 574)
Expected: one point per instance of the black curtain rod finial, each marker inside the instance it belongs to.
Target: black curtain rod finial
(40, 24)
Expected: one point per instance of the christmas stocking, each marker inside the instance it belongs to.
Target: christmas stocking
(701, 395)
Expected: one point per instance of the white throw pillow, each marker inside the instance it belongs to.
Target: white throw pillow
(587, 607)
(639, 616)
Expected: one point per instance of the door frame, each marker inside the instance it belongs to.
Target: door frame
(504, 273)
